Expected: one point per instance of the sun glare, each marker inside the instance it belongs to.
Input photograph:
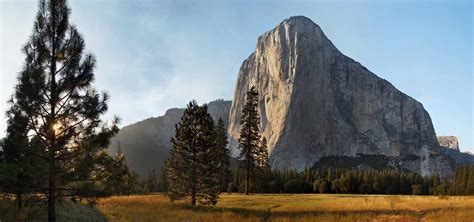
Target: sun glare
(56, 127)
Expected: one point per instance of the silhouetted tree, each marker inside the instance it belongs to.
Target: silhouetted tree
(192, 168)
(249, 140)
(17, 167)
(222, 155)
(55, 97)
(116, 174)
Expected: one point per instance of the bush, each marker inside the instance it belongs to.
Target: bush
(232, 187)
(416, 189)
(323, 187)
(294, 186)
(316, 184)
(274, 187)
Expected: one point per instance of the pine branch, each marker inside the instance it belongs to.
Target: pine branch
(73, 125)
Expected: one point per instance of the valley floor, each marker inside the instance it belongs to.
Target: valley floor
(275, 207)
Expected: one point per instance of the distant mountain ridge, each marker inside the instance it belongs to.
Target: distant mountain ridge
(146, 144)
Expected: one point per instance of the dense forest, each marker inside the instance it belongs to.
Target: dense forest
(334, 180)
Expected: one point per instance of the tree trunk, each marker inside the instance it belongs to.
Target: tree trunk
(193, 178)
(52, 121)
(193, 197)
(19, 200)
(247, 179)
(51, 199)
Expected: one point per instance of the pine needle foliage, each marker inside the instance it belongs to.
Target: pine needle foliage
(55, 112)
(193, 167)
(253, 150)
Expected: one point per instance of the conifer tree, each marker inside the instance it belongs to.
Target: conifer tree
(249, 140)
(152, 181)
(223, 155)
(192, 169)
(60, 109)
(116, 173)
(470, 182)
(465, 180)
(15, 168)
(456, 184)
(262, 155)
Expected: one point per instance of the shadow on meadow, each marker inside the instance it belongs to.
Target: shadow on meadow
(66, 211)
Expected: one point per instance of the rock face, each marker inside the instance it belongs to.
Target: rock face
(314, 102)
(146, 144)
(450, 142)
(450, 147)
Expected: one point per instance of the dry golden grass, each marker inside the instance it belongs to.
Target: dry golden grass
(275, 207)
(282, 207)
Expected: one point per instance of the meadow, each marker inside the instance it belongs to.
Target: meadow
(271, 207)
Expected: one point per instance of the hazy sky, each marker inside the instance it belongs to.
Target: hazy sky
(154, 55)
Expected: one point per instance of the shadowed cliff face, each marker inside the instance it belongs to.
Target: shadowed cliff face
(146, 144)
(315, 101)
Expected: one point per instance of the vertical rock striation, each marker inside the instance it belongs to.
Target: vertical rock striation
(315, 102)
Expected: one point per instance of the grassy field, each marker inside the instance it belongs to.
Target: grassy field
(280, 207)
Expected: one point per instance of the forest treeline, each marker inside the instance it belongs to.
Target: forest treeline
(334, 180)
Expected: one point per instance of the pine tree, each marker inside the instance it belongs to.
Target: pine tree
(117, 173)
(249, 140)
(470, 182)
(465, 180)
(152, 181)
(62, 111)
(262, 155)
(223, 155)
(192, 169)
(16, 168)
(162, 182)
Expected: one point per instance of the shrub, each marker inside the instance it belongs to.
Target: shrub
(294, 186)
(416, 189)
(323, 187)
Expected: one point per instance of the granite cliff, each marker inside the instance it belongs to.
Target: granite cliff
(315, 102)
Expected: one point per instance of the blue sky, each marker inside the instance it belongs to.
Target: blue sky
(154, 55)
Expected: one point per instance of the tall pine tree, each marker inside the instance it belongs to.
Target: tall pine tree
(61, 110)
(223, 155)
(249, 140)
(192, 168)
